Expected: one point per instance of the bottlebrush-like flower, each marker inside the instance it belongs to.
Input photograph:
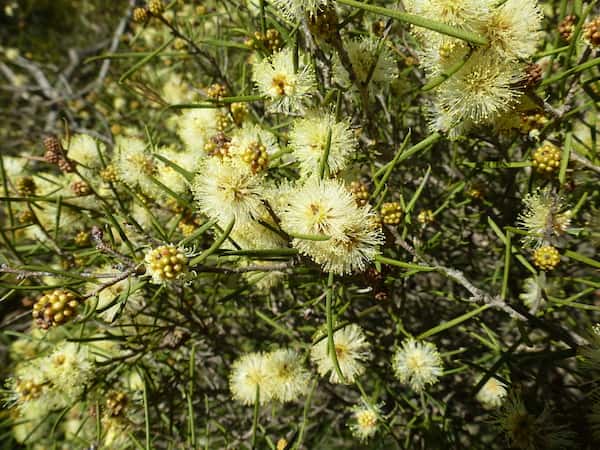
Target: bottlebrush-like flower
(227, 190)
(365, 420)
(418, 364)
(309, 137)
(285, 87)
(371, 61)
(544, 218)
(247, 374)
(351, 348)
(296, 9)
(196, 126)
(492, 393)
(288, 376)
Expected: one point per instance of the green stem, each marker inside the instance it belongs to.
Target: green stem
(209, 251)
(330, 341)
(255, 417)
(419, 22)
(305, 415)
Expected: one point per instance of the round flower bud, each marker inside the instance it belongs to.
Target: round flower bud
(566, 27)
(81, 188)
(166, 263)
(140, 15)
(55, 308)
(391, 213)
(591, 32)
(109, 173)
(546, 159)
(27, 390)
(426, 217)
(156, 7)
(239, 111)
(217, 91)
(360, 192)
(256, 156)
(546, 257)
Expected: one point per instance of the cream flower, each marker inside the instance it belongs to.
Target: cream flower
(249, 373)
(417, 363)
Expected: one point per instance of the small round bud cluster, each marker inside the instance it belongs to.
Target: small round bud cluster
(166, 263)
(156, 7)
(53, 150)
(223, 121)
(256, 156)
(82, 239)
(140, 15)
(546, 257)
(81, 188)
(55, 308)
(324, 24)
(109, 173)
(218, 145)
(426, 217)
(116, 402)
(533, 75)
(25, 186)
(217, 91)
(28, 390)
(546, 159)
(566, 27)
(591, 32)
(476, 192)
(25, 217)
(532, 121)
(179, 44)
(360, 192)
(391, 213)
(269, 41)
(239, 111)
(282, 444)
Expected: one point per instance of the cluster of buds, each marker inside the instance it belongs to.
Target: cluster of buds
(360, 192)
(109, 173)
(533, 76)
(546, 159)
(153, 8)
(166, 263)
(116, 402)
(223, 121)
(28, 390)
(256, 156)
(25, 217)
(391, 213)
(25, 186)
(546, 257)
(269, 41)
(80, 188)
(218, 145)
(325, 24)
(216, 91)
(532, 121)
(55, 308)
(55, 154)
(476, 192)
(566, 27)
(425, 217)
(239, 111)
(591, 32)
(82, 238)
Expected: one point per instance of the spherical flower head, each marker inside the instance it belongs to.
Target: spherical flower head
(247, 374)
(85, 150)
(309, 137)
(286, 88)
(492, 393)
(254, 146)
(371, 61)
(68, 368)
(546, 257)
(532, 292)
(417, 363)
(481, 90)
(458, 13)
(135, 164)
(365, 420)
(172, 178)
(351, 348)
(327, 208)
(391, 213)
(514, 29)
(55, 308)
(297, 9)
(166, 263)
(544, 218)
(196, 126)
(252, 235)
(288, 376)
(226, 190)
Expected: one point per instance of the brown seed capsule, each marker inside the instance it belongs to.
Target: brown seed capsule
(53, 149)
(533, 75)
(566, 27)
